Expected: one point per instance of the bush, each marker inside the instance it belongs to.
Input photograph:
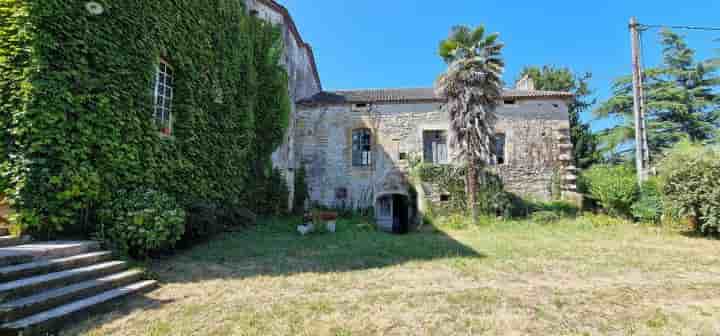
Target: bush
(142, 221)
(614, 187)
(649, 206)
(690, 181)
(202, 221)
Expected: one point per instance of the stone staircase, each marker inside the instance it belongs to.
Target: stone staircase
(43, 285)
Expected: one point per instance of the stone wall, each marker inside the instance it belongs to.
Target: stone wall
(535, 143)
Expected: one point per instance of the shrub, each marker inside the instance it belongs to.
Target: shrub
(142, 221)
(690, 180)
(301, 191)
(235, 215)
(202, 221)
(614, 187)
(649, 206)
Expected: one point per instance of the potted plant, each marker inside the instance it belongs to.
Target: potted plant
(307, 225)
(330, 219)
(164, 128)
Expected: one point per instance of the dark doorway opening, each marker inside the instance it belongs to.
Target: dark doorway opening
(401, 223)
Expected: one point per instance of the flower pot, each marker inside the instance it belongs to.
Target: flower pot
(165, 130)
(306, 229)
(330, 225)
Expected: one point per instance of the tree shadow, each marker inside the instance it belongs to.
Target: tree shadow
(275, 248)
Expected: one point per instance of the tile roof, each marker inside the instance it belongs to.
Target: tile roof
(410, 95)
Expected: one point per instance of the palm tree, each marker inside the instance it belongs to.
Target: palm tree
(472, 86)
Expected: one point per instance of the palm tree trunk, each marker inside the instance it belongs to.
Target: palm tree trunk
(471, 183)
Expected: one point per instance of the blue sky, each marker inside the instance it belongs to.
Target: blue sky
(392, 43)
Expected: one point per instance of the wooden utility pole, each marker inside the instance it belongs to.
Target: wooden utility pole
(641, 148)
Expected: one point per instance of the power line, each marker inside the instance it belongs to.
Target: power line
(645, 27)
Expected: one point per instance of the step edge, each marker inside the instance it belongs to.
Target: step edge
(54, 276)
(78, 306)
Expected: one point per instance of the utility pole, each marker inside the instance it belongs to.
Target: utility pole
(641, 147)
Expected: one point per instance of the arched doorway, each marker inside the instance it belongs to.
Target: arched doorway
(393, 212)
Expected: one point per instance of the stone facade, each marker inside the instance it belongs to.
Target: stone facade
(536, 147)
(534, 125)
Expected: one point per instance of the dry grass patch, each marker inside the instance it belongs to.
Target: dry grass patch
(511, 278)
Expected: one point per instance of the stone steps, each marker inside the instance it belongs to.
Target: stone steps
(29, 286)
(15, 272)
(22, 308)
(46, 322)
(6, 241)
(44, 285)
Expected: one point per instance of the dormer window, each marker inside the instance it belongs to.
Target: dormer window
(163, 97)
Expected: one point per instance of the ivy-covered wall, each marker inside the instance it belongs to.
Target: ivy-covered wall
(76, 105)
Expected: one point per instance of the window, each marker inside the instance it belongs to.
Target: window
(361, 107)
(435, 149)
(362, 148)
(445, 198)
(500, 148)
(509, 102)
(163, 97)
(403, 156)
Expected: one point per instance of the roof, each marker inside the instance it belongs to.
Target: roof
(294, 30)
(412, 95)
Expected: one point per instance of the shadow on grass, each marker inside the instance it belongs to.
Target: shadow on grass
(274, 248)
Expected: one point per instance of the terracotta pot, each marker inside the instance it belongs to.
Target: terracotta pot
(328, 216)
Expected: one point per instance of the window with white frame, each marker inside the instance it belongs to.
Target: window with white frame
(435, 148)
(163, 97)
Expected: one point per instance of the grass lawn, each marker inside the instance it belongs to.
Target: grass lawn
(509, 278)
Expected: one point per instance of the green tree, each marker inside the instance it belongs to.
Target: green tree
(552, 78)
(472, 85)
(680, 99)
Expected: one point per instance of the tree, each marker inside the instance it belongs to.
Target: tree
(680, 100)
(550, 78)
(472, 86)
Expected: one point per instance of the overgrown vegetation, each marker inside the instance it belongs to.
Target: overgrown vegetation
(615, 187)
(690, 176)
(138, 222)
(77, 113)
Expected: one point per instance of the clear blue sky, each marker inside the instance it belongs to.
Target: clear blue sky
(392, 43)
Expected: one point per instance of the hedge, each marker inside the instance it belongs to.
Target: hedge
(76, 106)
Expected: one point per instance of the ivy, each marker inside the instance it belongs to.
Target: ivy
(76, 103)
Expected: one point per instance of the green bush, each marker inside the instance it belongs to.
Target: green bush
(690, 178)
(203, 221)
(649, 206)
(615, 187)
(301, 191)
(142, 221)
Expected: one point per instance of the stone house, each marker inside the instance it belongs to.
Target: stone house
(357, 145)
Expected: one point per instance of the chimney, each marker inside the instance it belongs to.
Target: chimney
(526, 83)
